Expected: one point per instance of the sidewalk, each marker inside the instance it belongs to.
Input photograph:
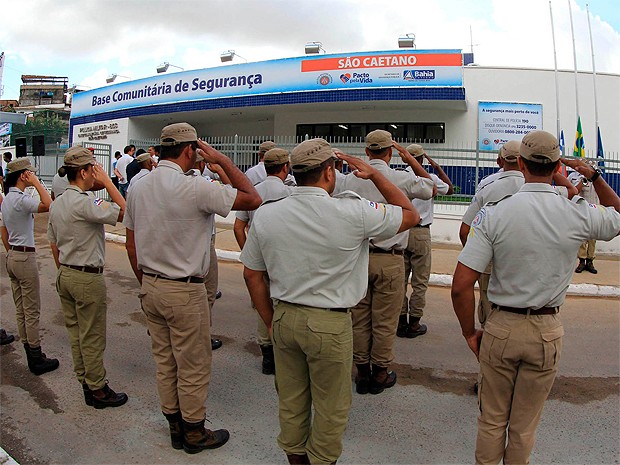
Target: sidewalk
(604, 284)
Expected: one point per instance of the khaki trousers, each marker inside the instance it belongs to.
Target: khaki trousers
(178, 320)
(519, 358)
(83, 301)
(587, 250)
(211, 280)
(313, 354)
(418, 263)
(375, 317)
(24, 275)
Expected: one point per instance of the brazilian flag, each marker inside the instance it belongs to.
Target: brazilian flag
(580, 147)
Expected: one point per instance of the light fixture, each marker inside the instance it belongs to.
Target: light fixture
(407, 42)
(343, 126)
(314, 48)
(229, 55)
(165, 65)
(112, 77)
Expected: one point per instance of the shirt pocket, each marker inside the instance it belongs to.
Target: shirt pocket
(494, 342)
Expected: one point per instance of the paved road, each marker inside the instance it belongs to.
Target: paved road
(428, 417)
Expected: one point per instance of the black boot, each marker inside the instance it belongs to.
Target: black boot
(362, 379)
(401, 331)
(298, 459)
(196, 438)
(88, 394)
(175, 420)
(269, 364)
(106, 397)
(381, 379)
(581, 266)
(415, 329)
(215, 344)
(5, 338)
(38, 363)
(590, 266)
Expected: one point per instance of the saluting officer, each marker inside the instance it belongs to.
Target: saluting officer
(525, 235)
(77, 239)
(315, 250)
(18, 211)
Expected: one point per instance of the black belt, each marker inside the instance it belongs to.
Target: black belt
(391, 251)
(527, 311)
(86, 269)
(339, 310)
(22, 248)
(186, 279)
(422, 226)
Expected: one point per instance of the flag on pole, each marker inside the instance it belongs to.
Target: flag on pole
(599, 150)
(562, 142)
(579, 148)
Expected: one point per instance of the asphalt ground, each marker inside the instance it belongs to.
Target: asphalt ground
(429, 417)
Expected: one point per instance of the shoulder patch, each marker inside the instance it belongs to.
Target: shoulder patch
(479, 218)
(498, 201)
(97, 201)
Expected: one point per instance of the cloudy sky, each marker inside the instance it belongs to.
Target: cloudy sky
(87, 40)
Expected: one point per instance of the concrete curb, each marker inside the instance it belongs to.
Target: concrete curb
(442, 280)
(6, 459)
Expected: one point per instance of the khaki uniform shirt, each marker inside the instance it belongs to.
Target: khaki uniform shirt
(177, 209)
(412, 185)
(59, 185)
(271, 188)
(18, 211)
(533, 237)
(76, 227)
(505, 183)
(143, 172)
(425, 207)
(487, 179)
(257, 173)
(315, 247)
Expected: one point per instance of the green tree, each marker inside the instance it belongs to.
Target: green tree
(47, 123)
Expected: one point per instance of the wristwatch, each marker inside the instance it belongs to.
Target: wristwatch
(595, 176)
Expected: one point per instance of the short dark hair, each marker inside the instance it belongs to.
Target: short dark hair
(380, 152)
(312, 176)
(172, 152)
(274, 169)
(140, 152)
(127, 149)
(540, 169)
(11, 180)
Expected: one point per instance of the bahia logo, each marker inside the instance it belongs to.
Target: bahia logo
(419, 75)
(324, 79)
(345, 77)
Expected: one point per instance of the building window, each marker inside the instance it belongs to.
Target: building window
(418, 132)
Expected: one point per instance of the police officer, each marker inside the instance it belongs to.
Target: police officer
(273, 188)
(375, 317)
(587, 251)
(173, 294)
(18, 211)
(419, 249)
(525, 237)
(146, 164)
(257, 172)
(77, 239)
(315, 250)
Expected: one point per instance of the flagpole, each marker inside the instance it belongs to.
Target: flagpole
(572, 31)
(555, 64)
(593, 69)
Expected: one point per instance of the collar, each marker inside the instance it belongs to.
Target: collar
(538, 187)
(75, 188)
(511, 173)
(274, 179)
(380, 165)
(16, 189)
(169, 164)
(309, 190)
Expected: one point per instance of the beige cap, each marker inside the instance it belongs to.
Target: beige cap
(20, 164)
(78, 156)
(177, 133)
(276, 157)
(540, 147)
(510, 151)
(143, 157)
(415, 150)
(379, 139)
(266, 146)
(310, 154)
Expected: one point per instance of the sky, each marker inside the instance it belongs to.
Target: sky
(88, 40)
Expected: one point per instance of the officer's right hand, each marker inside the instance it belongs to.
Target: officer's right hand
(29, 178)
(361, 169)
(209, 153)
(580, 166)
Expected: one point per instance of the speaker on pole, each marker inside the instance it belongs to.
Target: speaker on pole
(38, 146)
(20, 147)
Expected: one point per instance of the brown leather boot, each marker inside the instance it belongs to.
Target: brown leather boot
(381, 379)
(401, 331)
(196, 438)
(362, 379)
(415, 328)
(175, 421)
(295, 459)
(590, 266)
(581, 266)
(38, 363)
(106, 397)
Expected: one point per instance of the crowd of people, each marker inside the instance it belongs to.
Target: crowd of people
(323, 305)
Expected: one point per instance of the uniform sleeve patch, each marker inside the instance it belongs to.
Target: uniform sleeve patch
(376, 205)
(479, 218)
(97, 201)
